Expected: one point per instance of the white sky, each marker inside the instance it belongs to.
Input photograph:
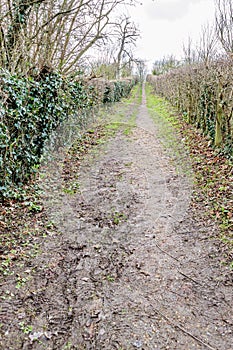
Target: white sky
(166, 24)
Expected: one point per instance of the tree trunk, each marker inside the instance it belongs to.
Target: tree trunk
(218, 128)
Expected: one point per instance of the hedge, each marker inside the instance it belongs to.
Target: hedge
(30, 109)
(204, 95)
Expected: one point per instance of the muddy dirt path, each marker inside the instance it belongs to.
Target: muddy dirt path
(132, 268)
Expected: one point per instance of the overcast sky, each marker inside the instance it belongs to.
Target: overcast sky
(166, 24)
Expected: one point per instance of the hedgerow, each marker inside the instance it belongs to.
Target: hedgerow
(203, 94)
(30, 109)
(122, 88)
(113, 90)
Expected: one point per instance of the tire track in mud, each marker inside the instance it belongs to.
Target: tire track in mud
(130, 269)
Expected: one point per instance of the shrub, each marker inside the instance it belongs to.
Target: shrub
(30, 109)
(203, 94)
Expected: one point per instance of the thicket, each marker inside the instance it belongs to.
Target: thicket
(31, 108)
(203, 93)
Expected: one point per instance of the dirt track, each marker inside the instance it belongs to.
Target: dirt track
(132, 268)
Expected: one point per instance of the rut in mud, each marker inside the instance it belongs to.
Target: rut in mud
(131, 268)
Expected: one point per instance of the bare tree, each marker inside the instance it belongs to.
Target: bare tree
(141, 69)
(14, 19)
(224, 24)
(207, 48)
(126, 33)
(56, 32)
(102, 62)
(115, 57)
(165, 64)
(189, 51)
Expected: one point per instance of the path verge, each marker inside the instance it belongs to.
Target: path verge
(126, 266)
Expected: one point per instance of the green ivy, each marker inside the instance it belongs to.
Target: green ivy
(118, 89)
(30, 109)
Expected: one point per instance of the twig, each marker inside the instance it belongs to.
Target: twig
(164, 251)
(190, 278)
(184, 330)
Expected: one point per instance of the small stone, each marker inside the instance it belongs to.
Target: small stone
(21, 315)
(35, 336)
(137, 344)
(48, 335)
(101, 332)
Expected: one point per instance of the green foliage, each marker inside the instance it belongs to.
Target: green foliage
(31, 108)
(115, 90)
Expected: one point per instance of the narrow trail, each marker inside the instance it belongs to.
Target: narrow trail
(132, 268)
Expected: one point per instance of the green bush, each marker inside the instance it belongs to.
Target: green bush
(30, 109)
(116, 89)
